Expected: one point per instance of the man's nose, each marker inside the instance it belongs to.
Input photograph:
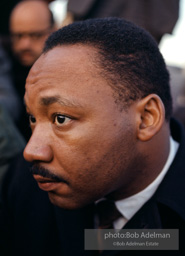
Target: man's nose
(38, 148)
(25, 41)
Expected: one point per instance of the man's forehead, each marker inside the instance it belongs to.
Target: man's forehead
(68, 71)
(77, 58)
(77, 50)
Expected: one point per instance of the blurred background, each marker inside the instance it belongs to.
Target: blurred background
(172, 46)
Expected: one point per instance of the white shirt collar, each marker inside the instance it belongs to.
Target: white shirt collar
(129, 206)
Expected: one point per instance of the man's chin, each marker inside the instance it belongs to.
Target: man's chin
(26, 63)
(65, 203)
(26, 60)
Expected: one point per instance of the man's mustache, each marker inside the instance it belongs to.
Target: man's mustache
(37, 169)
(22, 52)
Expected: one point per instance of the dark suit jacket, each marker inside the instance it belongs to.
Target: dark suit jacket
(30, 225)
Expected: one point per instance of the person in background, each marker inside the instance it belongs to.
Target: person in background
(31, 22)
(11, 141)
(156, 16)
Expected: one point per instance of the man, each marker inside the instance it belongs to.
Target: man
(31, 22)
(99, 104)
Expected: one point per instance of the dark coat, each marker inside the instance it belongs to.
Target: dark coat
(11, 142)
(30, 225)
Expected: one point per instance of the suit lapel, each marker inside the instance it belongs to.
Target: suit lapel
(148, 217)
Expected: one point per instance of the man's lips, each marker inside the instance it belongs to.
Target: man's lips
(46, 179)
(46, 184)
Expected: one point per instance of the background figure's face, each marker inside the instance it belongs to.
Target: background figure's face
(79, 134)
(29, 29)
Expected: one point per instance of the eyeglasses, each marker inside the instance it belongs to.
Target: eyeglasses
(34, 36)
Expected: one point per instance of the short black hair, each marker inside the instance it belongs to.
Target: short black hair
(128, 56)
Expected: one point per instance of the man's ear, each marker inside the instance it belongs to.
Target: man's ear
(150, 117)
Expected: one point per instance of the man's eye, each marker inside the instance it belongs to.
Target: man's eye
(32, 119)
(60, 119)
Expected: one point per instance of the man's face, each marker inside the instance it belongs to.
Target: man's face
(79, 134)
(28, 35)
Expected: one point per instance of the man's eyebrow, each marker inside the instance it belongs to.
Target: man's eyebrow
(46, 101)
